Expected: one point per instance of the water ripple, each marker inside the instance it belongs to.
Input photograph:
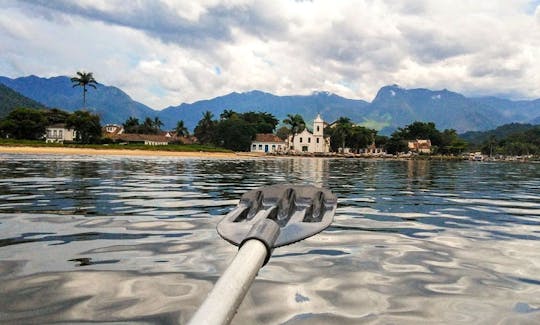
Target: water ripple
(133, 240)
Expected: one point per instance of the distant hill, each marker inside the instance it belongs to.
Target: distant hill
(10, 100)
(110, 103)
(393, 106)
(476, 138)
(330, 106)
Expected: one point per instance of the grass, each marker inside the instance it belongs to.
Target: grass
(171, 147)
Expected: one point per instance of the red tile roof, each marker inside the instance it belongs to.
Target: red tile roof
(268, 137)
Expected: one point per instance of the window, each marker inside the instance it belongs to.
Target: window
(254, 146)
(308, 140)
(60, 134)
(260, 147)
(318, 140)
(305, 148)
(318, 128)
(300, 140)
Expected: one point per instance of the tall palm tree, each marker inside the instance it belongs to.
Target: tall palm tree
(296, 123)
(205, 129)
(181, 130)
(84, 79)
(157, 124)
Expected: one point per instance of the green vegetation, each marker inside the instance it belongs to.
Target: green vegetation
(181, 130)
(84, 79)
(175, 147)
(234, 131)
(149, 126)
(519, 143)
(296, 124)
(86, 125)
(344, 134)
(10, 100)
(24, 123)
(30, 124)
(446, 142)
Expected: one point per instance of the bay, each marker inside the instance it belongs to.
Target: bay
(133, 240)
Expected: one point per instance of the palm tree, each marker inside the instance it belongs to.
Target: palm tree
(181, 130)
(205, 129)
(84, 79)
(296, 123)
(157, 124)
(343, 130)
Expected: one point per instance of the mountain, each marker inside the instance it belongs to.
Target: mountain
(391, 108)
(478, 137)
(10, 99)
(110, 103)
(397, 107)
(330, 106)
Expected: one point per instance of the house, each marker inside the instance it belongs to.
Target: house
(59, 133)
(420, 146)
(268, 142)
(313, 142)
(373, 150)
(113, 129)
(146, 139)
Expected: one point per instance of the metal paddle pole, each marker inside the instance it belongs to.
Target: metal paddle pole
(223, 301)
(265, 218)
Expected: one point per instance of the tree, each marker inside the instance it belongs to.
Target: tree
(283, 132)
(157, 124)
(131, 125)
(360, 137)
(86, 125)
(204, 131)
(84, 79)
(55, 116)
(24, 123)
(234, 134)
(296, 125)
(181, 130)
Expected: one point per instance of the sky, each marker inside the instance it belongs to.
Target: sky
(163, 53)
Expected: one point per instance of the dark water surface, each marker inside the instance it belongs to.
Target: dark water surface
(133, 240)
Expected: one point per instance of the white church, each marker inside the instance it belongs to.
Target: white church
(311, 142)
(305, 141)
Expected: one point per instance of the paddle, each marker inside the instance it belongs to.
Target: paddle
(265, 218)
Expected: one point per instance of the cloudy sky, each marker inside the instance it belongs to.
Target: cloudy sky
(167, 52)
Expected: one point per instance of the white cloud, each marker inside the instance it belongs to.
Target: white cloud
(168, 52)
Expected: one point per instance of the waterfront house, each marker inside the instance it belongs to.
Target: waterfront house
(268, 142)
(113, 129)
(311, 142)
(59, 133)
(419, 146)
(146, 139)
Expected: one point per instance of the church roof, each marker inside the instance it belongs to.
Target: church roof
(267, 137)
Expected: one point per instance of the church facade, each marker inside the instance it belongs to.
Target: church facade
(311, 142)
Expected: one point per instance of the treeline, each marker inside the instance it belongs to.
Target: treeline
(31, 124)
(520, 143)
(233, 130)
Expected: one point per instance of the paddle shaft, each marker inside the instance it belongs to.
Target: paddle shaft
(228, 293)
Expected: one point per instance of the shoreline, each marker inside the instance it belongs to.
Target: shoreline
(123, 152)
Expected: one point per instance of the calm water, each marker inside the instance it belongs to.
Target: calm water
(133, 240)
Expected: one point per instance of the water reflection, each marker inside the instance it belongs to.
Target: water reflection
(122, 239)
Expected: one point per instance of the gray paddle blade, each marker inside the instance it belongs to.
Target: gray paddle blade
(300, 211)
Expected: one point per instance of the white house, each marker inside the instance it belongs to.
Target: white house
(307, 141)
(59, 133)
(113, 129)
(268, 142)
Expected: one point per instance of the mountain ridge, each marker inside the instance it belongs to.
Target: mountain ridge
(391, 108)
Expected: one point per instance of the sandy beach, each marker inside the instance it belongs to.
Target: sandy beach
(125, 152)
